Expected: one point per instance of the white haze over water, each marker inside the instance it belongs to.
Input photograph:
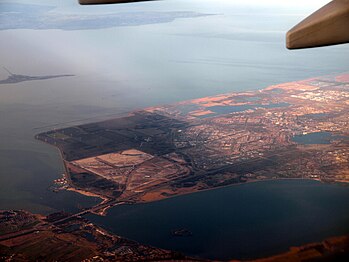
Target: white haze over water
(171, 52)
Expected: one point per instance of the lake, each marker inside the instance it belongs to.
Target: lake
(240, 222)
(232, 109)
(315, 138)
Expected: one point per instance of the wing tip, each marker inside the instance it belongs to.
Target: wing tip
(327, 26)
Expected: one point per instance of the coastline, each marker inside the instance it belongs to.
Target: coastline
(66, 175)
(171, 208)
(259, 139)
(106, 199)
(231, 185)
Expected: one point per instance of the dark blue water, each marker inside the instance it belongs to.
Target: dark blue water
(243, 221)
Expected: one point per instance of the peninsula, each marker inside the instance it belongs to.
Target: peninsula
(15, 78)
(296, 130)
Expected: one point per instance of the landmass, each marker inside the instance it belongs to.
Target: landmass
(296, 130)
(332, 249)
(45, 17)
(28, 237)
(182, 232)
(15, 78)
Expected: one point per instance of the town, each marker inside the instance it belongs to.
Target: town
(296, 130)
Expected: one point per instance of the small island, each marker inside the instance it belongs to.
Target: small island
(181, 232)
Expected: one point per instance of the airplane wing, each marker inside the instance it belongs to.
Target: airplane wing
(327, 26)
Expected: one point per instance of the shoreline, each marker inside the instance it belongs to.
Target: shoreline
(227, 186)
(66, 175)
(290, 249)
(232, 185)
(104, 199)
